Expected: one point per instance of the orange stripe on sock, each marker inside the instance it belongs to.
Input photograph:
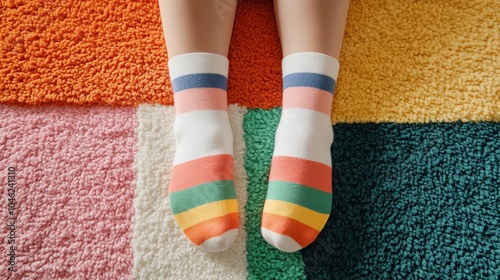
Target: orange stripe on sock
(202, 170)
(298, 231)
(205, 230)
(301, 171)
(200, 99)
(308, 98)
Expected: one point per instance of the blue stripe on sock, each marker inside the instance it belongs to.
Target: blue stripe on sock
(319, 81)
(204, 80)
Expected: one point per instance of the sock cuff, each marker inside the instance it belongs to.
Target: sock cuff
(311, 62)
(198, 63)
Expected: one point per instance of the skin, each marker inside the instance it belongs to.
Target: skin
(206, 25)
(197, 25)
(311, 25)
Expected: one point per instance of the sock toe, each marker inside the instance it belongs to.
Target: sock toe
(282, 242)
(220, 243)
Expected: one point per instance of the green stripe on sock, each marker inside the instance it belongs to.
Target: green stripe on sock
(313, 199)
(202, 194)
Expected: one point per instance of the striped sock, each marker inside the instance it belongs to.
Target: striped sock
(299, 196)
(202, 193)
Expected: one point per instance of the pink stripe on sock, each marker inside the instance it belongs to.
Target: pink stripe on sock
(308, 98)
(301, 171)
(200, 171)
(200, 99)
(75, 190)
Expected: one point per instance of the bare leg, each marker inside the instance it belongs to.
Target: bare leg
(202, 194)
(299, 195)
(197, 25)
(311, 25)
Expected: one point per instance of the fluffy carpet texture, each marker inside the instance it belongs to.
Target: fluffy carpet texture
(86, 122)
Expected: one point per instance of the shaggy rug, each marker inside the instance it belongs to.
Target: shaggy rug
(86, 144)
